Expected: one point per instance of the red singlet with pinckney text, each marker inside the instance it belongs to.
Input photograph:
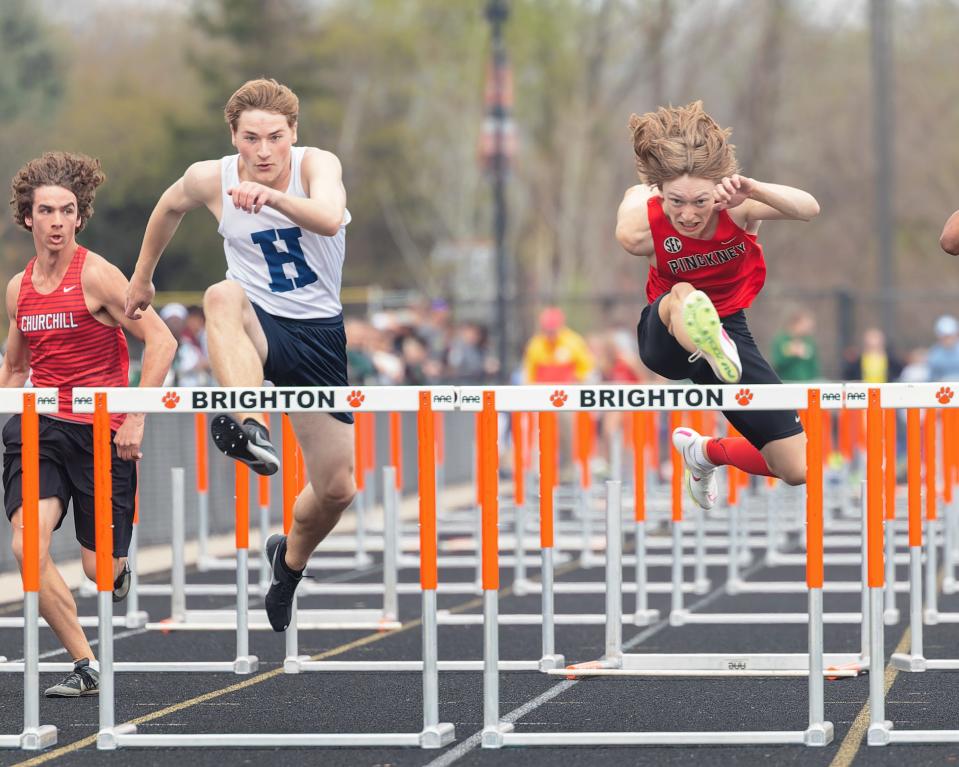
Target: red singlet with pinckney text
(729, 267)
(68, 345)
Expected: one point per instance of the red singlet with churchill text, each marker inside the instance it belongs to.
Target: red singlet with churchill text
(729, 267)
(68, 345)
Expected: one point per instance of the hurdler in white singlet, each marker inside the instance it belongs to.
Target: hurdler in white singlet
(284, 269)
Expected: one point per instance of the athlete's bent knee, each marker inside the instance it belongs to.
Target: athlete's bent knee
(221, 295)
(339, 492)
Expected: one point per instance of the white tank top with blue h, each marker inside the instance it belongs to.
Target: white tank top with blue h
(284, 269)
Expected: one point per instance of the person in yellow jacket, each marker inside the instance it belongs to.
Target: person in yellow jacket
(556, 354)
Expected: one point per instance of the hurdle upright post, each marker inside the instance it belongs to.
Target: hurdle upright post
(135, 617)
(547, 488)
(493, 728)
(34, 736)
(614, 572)
(931, 612)
(519, 501)
(245, 663)
(914, 660)
(103, 544)
(878, 725)
(202, 489)
(819, 732)
(890, 611)
(435, 734)
(677, 613)
(642, 616)
(292, 660)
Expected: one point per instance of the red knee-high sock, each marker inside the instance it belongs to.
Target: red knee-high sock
(738, 452)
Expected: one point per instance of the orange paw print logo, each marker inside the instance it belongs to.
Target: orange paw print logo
(558, 398)
(170, 400)
(944, 395)
(744, 397)
(355, 398)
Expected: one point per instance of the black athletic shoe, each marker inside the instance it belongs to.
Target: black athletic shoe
(279, 599)
(249, 443)
(121, 586)
(83, 680)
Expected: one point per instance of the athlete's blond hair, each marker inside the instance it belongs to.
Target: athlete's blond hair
(77, 172)
(265, 94)
(678, 141)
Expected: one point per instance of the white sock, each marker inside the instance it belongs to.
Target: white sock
(95, 665)
(699, 450)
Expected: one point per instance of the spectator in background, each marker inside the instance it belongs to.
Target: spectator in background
(876, 363)
(196, 327)
(466, 359)
(360, 368)
(943, 357)
(190, 366)
(556, 354)
(916, 369)
(418, 368)
(795, 354)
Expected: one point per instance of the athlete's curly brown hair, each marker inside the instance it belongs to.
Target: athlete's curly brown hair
(675, 141)
(77, 172)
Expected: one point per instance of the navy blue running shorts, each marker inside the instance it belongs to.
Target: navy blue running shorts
(662, 354)
(305, 352)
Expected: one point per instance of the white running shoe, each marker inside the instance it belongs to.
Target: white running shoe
(707, 332)
(700, 471)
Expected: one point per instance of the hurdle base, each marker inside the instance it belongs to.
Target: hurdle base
(493, 736)
(136, 620)
(38, 738)
(107, 739)
(645, 617)
(294, 664)
(890, 617)
(930, 617)
(880, 734)
(904, 662)
(549, 662)
(246, 664)
(949, 585)
(438, 735)
(678, 617)
(820, 734)
(702, 586)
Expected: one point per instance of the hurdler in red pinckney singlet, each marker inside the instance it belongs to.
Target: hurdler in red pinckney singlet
(68, 345)
(729, 267)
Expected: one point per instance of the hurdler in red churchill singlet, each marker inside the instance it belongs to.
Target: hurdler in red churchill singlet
(728, 267)
(68, 345)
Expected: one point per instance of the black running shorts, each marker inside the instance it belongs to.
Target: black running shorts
(662, 354)
(308, 352)
(66, 472)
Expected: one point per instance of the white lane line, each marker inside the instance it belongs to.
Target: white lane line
(464, 747)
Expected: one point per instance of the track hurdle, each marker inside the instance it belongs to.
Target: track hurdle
(184, 619)
(911, 397)
(30, 402)
(434, 734)
(819, 732)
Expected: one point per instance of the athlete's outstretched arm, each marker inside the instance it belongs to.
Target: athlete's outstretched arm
(632, 221)
(949, 239)
(15, 368)
(322, 212)
(763, 201)
(198, 186)
(106, 286)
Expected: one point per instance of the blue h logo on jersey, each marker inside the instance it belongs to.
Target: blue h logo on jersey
(279, 282)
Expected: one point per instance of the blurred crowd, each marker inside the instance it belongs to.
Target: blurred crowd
(423, 344)
(795, 354)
